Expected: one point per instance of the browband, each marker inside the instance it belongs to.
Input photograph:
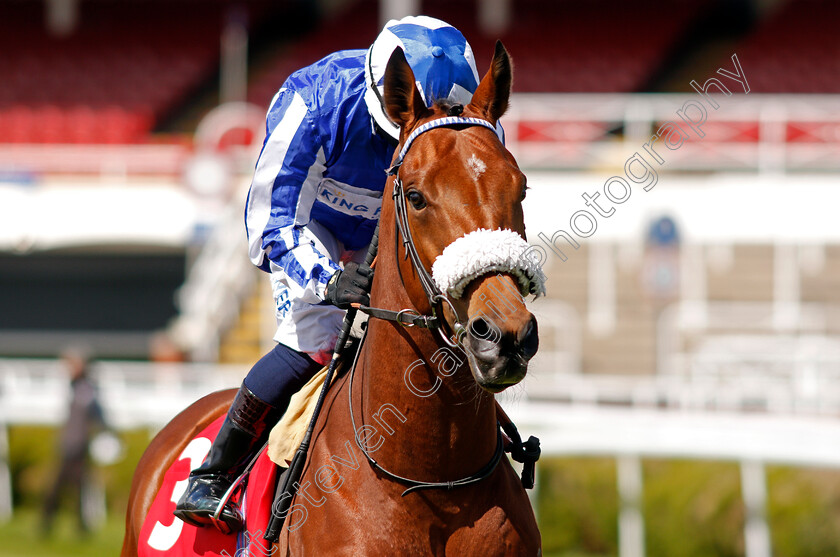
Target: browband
(439, 123)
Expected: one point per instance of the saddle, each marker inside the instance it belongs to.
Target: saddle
(286, 435)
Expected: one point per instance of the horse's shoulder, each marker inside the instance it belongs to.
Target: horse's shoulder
(505, 520)
(497, 532)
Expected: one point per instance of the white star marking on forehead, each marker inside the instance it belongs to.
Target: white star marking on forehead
(476, 166)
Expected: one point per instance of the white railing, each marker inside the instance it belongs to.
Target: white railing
(132, 394)
(794, 369)
(604, 416)
(739, 355)
(630, 434)
(108, 160)
(742, 389)
(561, 131)
(755, 132)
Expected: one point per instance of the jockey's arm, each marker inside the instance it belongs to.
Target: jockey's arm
(282, 193)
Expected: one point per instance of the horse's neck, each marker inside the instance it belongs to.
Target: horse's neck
(437, 433)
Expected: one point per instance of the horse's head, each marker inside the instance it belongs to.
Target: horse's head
(461, 193)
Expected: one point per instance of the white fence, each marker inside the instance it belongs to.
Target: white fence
(133, 395)
(711, 356)
(753, 132)
(560, 131)
(622, 417)
(769, 394)
(632, 433)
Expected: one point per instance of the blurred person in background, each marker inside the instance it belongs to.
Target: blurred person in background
(84, 420)
(314, 203)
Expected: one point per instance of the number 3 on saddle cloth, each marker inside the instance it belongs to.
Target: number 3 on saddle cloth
(164, 535)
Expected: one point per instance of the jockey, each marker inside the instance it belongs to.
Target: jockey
(313, 204)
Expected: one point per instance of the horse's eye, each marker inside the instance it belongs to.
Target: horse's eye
(416, 199)
(524, 193)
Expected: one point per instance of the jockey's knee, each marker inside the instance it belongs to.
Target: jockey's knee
(280, 374)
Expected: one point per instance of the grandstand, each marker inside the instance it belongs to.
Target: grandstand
(122, 183)
(111, 78)
(795, 50)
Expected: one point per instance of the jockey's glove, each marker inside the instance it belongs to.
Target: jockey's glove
(350, 286)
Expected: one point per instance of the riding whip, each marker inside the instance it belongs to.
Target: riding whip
(286, 491)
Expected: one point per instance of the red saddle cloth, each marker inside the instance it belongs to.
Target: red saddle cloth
(164, 535)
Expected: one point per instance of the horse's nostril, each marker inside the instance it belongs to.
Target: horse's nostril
(482, 329)
(479, 328)
(484, 338)
(528, 339)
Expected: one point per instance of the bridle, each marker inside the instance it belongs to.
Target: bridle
(410, 317)
(510, 441)
(435, 297)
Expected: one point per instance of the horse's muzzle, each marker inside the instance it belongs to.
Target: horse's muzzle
(499, 359)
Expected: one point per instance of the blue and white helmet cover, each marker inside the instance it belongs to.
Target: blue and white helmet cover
(439, 55)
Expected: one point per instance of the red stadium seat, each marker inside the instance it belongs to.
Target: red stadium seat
(795, 50)
(133, 55)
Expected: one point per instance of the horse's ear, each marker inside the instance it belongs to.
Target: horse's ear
(493, 93)
(403, 102)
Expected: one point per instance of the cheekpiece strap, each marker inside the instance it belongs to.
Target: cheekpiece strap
(439, 123)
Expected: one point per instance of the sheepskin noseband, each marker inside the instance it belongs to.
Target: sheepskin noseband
(483, 251)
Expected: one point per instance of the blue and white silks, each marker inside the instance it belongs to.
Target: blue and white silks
(316, 193)
(317, 190)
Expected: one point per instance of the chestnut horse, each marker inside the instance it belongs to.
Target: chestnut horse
(418, 409)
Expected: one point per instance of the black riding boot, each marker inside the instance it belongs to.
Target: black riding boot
(242, 434)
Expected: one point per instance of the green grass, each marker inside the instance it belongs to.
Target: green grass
(693, 508)
(690, 508)
(577, 506)
(22, 537)
(804, 511)
(33, 462)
